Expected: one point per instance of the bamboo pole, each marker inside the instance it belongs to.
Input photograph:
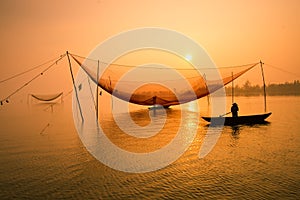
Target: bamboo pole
(75, 86)
(232, 89)
(97, 92)
(264, 85)
(204, 77)
(111, 96)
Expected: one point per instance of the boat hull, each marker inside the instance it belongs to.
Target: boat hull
(247, 119)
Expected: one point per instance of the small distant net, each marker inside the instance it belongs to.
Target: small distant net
(48, 98)
(154, 84)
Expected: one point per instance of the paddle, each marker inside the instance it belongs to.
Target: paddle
(224, 114)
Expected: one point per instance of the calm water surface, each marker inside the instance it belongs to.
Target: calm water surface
(41, 156)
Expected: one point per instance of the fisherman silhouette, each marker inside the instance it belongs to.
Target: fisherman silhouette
(234, 110)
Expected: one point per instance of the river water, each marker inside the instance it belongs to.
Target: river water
(42, 156)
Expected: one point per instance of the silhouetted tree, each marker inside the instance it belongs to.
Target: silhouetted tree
(287, 88)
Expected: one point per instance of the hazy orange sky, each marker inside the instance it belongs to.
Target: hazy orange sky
(233, 32)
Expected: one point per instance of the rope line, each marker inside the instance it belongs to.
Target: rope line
(164, 80)
(29, 70)
(32, 79)
(131, 66)
(280, 69)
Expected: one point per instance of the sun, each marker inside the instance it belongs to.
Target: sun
(188, 57)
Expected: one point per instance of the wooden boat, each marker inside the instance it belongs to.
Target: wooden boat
(246, 119)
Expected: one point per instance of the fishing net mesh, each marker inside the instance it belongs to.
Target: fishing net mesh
(151, 83)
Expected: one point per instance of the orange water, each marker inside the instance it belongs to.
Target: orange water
(40, 161)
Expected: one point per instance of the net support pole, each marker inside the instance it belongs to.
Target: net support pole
(73, 81)
(111, 96)
(232, 89)
(204, 77)
(264, 85)
(97, 92)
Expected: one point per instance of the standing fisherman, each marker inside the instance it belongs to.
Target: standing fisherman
(234, 110)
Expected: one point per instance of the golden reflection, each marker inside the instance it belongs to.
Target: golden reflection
(235, 132)
(142, 119)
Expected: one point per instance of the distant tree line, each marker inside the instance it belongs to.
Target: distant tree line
(247, 89)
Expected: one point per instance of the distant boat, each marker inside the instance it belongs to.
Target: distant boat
(157, 107)
(246, 119)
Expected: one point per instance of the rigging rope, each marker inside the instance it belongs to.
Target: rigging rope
(32, 79)
(283, 70)
(29, 70)
(165, 80)
(131, 66)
